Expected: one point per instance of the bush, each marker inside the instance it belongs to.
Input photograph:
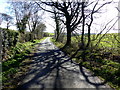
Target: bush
(9, 40)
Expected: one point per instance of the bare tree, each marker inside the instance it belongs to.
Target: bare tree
(56, 17)
(7, 18)
(34, 20)
(70, 11)
(88, 11)
(27, 17)
(21, 10)
(22, 14)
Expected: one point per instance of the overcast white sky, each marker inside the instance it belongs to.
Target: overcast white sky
(111, 12)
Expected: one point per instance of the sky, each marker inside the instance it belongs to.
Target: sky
(50, 24)
(110, 13)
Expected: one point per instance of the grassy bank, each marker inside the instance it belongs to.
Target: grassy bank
(99, 60)
(17, 64)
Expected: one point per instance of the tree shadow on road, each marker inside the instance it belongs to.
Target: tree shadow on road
(47, 70)
(92, 79)
(44, 64)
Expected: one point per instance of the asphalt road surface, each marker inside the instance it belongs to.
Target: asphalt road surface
(52, 69)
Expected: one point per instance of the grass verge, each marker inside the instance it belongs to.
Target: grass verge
(18, 64)
(101, 66)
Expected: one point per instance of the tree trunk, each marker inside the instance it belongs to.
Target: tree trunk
(68, 38)
(83, 25)
(31, 37)
(89, 39)
(7, 26)
(69, 30)
(57, 36)
(68, 42)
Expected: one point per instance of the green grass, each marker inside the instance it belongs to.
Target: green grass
(101, 65)
(60, 45)
(106, 69)
(108, 41)
(17, 57)
(51, 34)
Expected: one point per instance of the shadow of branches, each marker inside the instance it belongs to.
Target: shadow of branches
(50, 68)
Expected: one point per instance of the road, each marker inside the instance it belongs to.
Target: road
(51, 68)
